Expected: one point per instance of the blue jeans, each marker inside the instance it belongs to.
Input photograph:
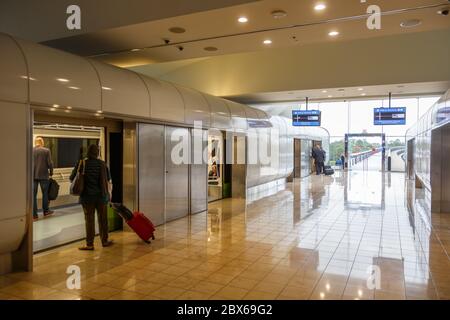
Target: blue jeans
(44, 188)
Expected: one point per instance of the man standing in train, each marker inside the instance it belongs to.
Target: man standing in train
(42, 171)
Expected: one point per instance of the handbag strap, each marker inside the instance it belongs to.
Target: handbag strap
(79, 166)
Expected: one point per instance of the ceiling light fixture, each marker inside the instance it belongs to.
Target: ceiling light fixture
(74, 88)
(70, 108)
(177, 30)
(324, 91)
(267, 42)
(330, 96)
(360, 89)
(62, 80)
(363, 94)
(106, 88)
(411, 23)
(333, 33)
(320, 7)
(243, 20)
(56, 106)
(135, 50)
(279, 14)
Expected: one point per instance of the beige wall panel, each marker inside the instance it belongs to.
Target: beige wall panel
(13, 71)
(61, 78)
(123, 92)
(196, 107)
(220, 114)
(13, 170)
(166, 102)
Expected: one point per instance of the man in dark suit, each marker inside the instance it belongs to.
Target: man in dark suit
(319, 158)
(42, 171)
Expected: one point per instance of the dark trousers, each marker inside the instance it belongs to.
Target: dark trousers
(319, 167)
(44, 183)
(89, 217)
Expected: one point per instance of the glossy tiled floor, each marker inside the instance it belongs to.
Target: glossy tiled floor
(314, 240)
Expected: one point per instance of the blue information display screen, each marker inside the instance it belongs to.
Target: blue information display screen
(389, 116)
(306, 118)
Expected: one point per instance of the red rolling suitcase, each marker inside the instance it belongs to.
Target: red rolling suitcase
(143, 227)
(137, 221)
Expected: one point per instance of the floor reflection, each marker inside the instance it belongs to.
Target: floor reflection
(356, 235)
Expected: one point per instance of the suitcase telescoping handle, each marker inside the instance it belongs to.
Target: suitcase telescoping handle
(122, 211)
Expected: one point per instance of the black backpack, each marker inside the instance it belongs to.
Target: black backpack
(53, 189)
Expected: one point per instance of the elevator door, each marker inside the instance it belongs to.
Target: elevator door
(151, 172)
(177, 172)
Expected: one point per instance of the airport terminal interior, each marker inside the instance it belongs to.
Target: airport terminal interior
(282, 149)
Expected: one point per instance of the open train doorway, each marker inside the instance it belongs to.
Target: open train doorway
(365, 151)
(68, 141)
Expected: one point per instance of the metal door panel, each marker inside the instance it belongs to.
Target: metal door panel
(177, 175)
(151, 172)
(199, 172)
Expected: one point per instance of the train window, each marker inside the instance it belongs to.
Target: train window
(67, 151)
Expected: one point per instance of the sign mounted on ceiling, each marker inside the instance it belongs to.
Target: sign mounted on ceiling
(306, 118)
(389, 116)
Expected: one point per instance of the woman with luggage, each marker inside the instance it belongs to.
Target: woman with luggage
(92, 177)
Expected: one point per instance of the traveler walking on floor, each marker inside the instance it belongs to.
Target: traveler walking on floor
(94, 196)
(319, 158)
(42, 171)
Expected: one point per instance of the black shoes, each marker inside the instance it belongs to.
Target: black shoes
(48, 213)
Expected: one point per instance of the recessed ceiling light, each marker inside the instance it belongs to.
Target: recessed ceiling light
(210, 49)
(333, 33)
(52, 109)
(320, 7)
(134, 50)
(268, 41)
(360, 89)
(56, 106)
(330, 96)
(70, 108)
(106, 88)
(243, 19)
(67, 111)
(324, 91)
(279, 14)
(62, 80)
(177, 30)
(74, 88)
(99, 111)
(411, 23)
(363, 94)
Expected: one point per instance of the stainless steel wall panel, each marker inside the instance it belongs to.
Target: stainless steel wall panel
(151, 168)
(177, 174)
(199, 171)
(13, 71)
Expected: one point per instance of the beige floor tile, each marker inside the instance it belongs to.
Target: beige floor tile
(101, 293)
(233, 293)
(127, 295)
(207, 287)
(168, 293)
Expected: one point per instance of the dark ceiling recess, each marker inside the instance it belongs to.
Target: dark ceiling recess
(211, 49)
(177, 30)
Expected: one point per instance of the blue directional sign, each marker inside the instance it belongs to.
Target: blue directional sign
(389, 116)
(306, 118)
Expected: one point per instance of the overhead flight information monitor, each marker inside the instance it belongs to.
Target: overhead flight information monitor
(306, 118)
(389, 116)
